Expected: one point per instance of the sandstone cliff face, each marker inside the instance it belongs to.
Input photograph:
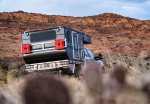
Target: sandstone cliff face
(111, 33)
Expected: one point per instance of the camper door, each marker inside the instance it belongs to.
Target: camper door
(77, 46)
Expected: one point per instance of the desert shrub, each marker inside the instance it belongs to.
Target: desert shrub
(3, 76)
(16, 71)
(117, 86)
(147, 58)
(11, 76)
(148, 64)
(50, 89)
(4, 67)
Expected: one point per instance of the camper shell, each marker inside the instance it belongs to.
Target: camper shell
(60, 45)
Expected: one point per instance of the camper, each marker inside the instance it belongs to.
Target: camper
(58, 48)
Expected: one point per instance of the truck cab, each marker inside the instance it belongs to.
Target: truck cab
(53, 48)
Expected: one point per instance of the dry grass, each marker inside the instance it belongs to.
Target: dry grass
(117, 86)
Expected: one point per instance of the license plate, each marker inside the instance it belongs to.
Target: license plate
(46, 64)
(49, 65)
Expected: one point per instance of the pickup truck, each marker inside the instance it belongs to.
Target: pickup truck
(60, 48)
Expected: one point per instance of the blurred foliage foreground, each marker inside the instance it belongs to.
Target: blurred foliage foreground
(7, 74)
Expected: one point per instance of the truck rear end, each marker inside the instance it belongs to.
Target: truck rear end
(52, 48)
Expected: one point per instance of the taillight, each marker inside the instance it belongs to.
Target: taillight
(26, 48)
(59, 44)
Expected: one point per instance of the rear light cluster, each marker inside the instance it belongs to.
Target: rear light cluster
(59, 44)
(26, 48)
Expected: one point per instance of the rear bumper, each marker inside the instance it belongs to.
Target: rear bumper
(45, 56)
(47, 65)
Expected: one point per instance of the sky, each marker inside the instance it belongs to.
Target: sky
(139, 9)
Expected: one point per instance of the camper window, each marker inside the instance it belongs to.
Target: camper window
(42, 36)
(75, 43)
